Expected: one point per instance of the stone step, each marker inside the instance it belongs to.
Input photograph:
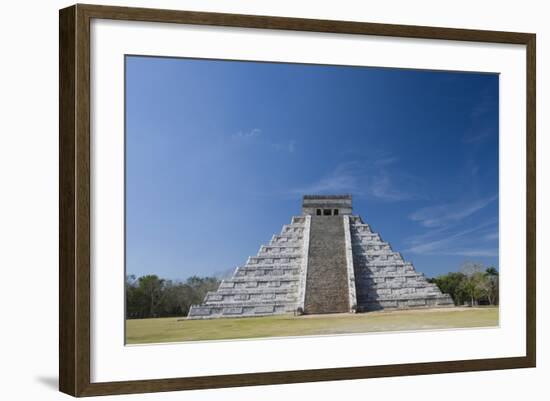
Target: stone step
(292, 229)
(287, 237)
(237, 310)
(405, 303)
(418, 286)
(242, 284)
(243, 297)
(383, 296)
(365, 238)
(261, 275)
(378, 273)
(378, 257)
(262, 281)
(357, 243)
(279, 251)
(286, 241)
(295, 244)
(269, 265)
(364, 263)
(275, 259)
(400, 292)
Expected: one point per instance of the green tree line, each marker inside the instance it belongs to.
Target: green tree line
(150, 296)
(472, 285)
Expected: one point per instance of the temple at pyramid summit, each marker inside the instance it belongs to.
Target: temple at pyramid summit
(325, 261)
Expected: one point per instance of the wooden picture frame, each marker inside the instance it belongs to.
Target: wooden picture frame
(74, 200)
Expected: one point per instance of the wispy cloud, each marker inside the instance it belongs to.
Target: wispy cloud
(449, 230)
(289, 146)
(371, 179)
(382, 187)
(477, 136)
(385, 161)
(446, 241)
(489, 252)
(441, 215)
(257, 137)
(491, 236)
(480, 128)
(252, 133)
(342, 180)
(487, 103)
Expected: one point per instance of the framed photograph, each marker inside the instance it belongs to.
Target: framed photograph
(249, 200)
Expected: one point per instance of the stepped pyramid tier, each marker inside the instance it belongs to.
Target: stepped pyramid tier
(325, 261)
(269, 283)
(383, 280)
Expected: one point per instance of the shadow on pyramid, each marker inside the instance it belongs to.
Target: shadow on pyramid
(325, 261)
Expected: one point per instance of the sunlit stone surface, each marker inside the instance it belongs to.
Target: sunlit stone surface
(325, 261)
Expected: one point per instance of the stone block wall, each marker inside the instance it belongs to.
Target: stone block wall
(383, 280)
(269, 283)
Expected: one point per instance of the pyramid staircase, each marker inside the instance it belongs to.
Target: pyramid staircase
(327, 276)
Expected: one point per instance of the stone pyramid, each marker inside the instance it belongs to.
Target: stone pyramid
(325, 261)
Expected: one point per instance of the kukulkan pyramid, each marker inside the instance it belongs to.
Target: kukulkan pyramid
(325, 261)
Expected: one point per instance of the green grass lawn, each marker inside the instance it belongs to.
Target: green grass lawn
(141, 331)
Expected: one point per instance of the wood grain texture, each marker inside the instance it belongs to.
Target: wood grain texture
(531, 229)
(67, 295)
(74, 199)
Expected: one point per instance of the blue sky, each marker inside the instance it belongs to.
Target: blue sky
(219, 154)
